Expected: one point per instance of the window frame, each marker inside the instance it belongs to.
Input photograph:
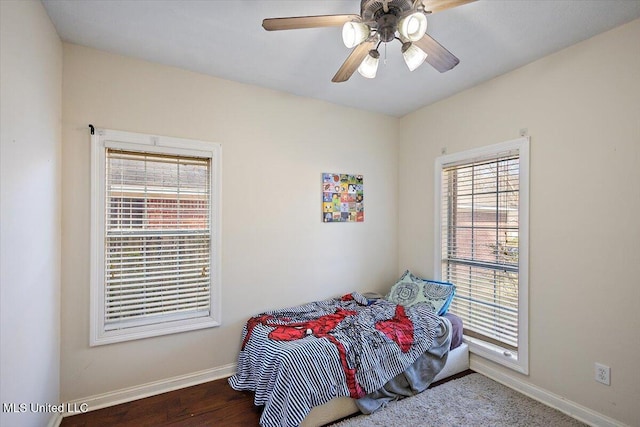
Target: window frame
(516, 360)
(102, 139)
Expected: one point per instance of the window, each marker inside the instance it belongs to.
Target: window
(155, 236)
(482, 246)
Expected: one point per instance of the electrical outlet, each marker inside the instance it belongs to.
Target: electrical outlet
(603, 374)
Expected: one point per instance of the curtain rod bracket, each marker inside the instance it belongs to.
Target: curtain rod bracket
(92, 129)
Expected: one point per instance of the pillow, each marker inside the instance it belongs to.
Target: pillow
(456, 330)
(410, 290)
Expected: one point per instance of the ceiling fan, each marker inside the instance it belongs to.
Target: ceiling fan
(381, 21)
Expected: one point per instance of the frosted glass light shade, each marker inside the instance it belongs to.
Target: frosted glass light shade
(369, 65)
(413, 27)
(413, 56)
(354, 33)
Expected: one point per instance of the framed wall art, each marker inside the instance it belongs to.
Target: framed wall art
(342, 197)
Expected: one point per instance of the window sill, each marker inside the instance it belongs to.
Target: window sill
(500, 355)
(154, 330)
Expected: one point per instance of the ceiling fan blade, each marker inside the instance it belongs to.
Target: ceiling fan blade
(354, 60)
(298, 22)
(437, 56)
(434, 6)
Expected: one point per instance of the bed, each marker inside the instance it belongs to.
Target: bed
(315, 363)
(341, 407)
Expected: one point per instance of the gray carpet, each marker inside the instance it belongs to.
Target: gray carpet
(473, 400)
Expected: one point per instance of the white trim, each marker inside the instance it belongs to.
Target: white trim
(154, 330)
(103, 138)
(96, 304)
(130, 394)
(55, 420)
(523, 250)
(574, 410)
(518, 361)
(495, 353)
(117, 397)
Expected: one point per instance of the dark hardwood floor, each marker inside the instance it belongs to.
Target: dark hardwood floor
(210, 404)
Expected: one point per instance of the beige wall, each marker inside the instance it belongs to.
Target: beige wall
(30, 155)
(581, 107)
(276, 252)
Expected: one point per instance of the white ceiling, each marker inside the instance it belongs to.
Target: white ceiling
(226, 39)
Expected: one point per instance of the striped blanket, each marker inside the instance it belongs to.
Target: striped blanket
(301, 357)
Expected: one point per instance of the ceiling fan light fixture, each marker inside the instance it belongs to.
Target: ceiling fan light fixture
(369, 65)
(413, 55)
(354, 33)
(413, 27)
(380, 21)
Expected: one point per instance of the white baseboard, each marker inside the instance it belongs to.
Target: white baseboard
(129, 394)
(55, 420)
(117, 397)
(555, 401)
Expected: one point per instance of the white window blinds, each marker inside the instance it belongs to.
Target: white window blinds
(480, 237)
(157, 238)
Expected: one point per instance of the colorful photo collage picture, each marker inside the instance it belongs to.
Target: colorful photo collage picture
(342, 198)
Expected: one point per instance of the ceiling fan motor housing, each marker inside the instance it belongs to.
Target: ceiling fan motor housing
(371, 10)
(387, 25)
(385, 13)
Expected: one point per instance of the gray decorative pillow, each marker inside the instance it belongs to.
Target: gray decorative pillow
(410, 290)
